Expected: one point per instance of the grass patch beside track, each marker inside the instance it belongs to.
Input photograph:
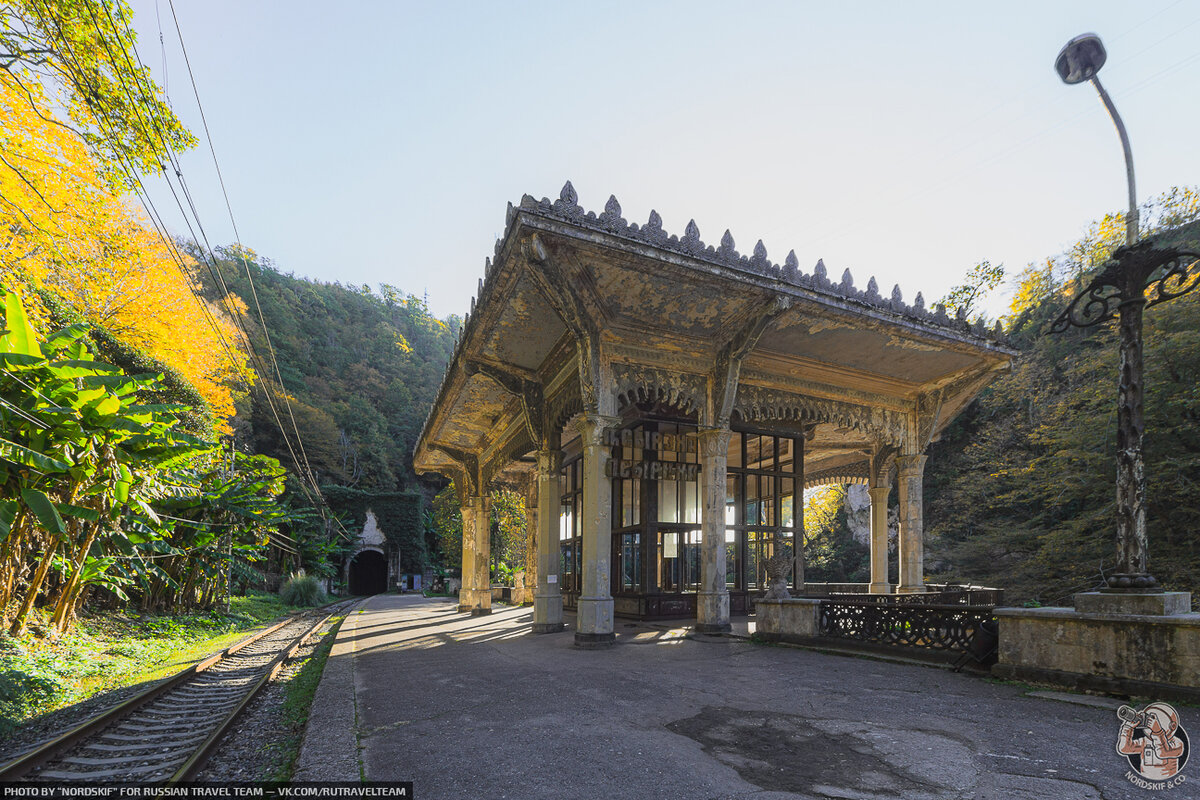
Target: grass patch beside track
(300, 692)
(112, 651)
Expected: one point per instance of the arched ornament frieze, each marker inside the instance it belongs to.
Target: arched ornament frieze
(850, 473)
(514, 449)
(565, 404)
(637, 385)
(756, 404)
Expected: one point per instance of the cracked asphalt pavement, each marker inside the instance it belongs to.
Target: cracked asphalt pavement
(477, 707)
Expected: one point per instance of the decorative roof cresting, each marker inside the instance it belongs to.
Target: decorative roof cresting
(567, 208)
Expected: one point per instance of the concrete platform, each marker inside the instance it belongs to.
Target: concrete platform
(473, 707)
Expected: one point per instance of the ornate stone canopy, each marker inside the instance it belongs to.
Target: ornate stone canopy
(580, 312)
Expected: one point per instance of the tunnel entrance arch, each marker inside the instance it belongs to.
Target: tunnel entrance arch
(367, 573)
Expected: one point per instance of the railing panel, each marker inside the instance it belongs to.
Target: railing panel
(944, 627)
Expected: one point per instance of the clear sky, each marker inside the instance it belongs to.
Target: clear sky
(373, 142)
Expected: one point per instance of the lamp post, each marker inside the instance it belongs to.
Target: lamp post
(1139, 275)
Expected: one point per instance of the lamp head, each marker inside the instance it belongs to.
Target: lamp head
(1080, 59)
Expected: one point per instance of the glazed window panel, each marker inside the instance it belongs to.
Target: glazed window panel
(690, 502)
(733, 567)
(733, 456)
(752, 502)
(668, 501)
(787, 453)
(787, 508)
(631, 501)
(630, 567)
(760, 452)
(566, 521)
(760, 545)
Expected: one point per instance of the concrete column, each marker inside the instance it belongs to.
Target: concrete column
(530, 571)
(475, 596)
(879, 539)
(798, 516)
(912, 526)
(594, 617)
(712, 602)
(547, 598)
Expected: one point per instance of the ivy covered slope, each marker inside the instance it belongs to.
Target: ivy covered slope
(361, 369)
(1020, 492)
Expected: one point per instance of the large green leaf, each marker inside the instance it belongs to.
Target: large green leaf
(8, 511)
(63, 337)
(19, 336)
(82, 512)
(15, 362)
(31, 458)
(44, 510)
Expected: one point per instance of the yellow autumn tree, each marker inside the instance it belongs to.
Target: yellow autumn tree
(66, 231)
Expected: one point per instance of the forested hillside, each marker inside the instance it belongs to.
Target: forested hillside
(1020, 491)
(361, 369)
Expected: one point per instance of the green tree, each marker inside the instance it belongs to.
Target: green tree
(1020, 489)
(446, 520)
(978, 282)
(86, 48)
(831, 554)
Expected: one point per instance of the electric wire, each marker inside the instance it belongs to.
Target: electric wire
(301, 462)
(213, 268)
(105, 123)
(236, 233)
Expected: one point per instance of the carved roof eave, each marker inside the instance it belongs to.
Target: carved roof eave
(566, 218)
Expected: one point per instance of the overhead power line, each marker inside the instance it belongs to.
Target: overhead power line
(81, 78)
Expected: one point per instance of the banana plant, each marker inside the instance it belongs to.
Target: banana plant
(77, 453)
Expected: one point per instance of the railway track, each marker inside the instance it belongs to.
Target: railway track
(165, 734)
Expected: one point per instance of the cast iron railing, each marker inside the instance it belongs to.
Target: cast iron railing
(950, 628)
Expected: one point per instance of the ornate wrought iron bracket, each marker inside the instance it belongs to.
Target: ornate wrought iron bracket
(1138, 276)
(1137, 272)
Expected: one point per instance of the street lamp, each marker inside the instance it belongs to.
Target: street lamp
(1079, 61)
(1139, 275)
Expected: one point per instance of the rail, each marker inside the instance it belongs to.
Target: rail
(180, 719)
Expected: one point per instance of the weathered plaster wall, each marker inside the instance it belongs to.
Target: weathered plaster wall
(1130, 653)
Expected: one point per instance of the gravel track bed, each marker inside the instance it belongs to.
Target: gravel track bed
(257, 745)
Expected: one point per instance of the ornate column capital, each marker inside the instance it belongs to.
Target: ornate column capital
(713, 441)
(593, 426)
(549, 461)
(911, 465)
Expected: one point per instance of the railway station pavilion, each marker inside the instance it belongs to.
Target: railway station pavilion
(663, 404)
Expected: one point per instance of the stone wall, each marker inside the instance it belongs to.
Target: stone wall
(1151, 655)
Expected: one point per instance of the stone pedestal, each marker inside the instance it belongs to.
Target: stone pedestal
(797, 619)
(1135, 644)
(1145, 604)
(547, 598)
